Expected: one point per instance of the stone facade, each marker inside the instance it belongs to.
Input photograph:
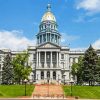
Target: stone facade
(50, 61)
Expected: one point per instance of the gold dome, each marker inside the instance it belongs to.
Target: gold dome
(48, 15)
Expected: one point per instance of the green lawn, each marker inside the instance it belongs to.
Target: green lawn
(15, 90)
(89, 92)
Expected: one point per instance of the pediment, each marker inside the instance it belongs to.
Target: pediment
(48, 45)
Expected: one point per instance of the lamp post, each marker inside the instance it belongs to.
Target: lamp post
(25, 81)
(71, 82)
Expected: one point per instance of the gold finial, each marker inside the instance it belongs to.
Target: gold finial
(48, 7)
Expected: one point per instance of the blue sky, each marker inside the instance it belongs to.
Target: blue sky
(78, 20)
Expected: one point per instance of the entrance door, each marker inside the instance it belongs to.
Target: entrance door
(54, 75)
(42, 75)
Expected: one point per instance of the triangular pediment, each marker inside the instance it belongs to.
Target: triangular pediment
(48, 45)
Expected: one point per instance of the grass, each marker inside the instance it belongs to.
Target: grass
(89, 92)
(15, 90)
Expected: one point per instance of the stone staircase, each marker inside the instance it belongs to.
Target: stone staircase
(48, 91)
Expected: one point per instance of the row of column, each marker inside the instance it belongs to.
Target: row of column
(41, 38)
(45, 60)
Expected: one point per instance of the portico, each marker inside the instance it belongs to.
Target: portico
(48, 59)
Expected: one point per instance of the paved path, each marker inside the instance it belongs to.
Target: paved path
(48, 90)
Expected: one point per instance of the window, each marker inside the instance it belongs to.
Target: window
(42, 56)
(42, 75)
(62, 56)
(34, 56)
(0, 58)
(0, 66)
(52, 38)
(48, 56)
(54, 56)
(44, 38)
(54, 75)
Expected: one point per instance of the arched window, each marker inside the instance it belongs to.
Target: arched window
(54, 75)
(48, 74)
(42, 75)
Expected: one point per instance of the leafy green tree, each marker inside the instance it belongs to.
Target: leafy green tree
(7, 70)
(89, 68)
(98, 71)
(77, 70)
(21, 68)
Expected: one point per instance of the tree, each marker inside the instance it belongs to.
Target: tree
(7, 71)
(98, 71)
(77, 70)
(89, 68)
(21, 68)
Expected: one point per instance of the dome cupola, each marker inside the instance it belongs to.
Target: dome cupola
(48, 16)
(48, 29)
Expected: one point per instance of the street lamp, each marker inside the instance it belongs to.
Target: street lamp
(71, 82)
(25, 81)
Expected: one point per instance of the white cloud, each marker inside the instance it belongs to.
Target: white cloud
(91, 6)
(68, 38)
(96, 44)
(14, 40)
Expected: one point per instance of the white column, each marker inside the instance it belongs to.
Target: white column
(65, 65)
(57, 59)
(46, 37)
(42, 38)
(51, 65)
(39, 39)
(50, 37)
(37, 58)
(45, 60)
(45, 76)
(55, 38)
